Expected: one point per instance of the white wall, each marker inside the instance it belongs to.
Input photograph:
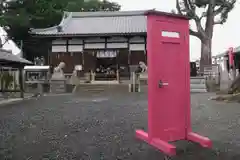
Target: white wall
(137, 47)
(117, 45)
(75, 48)
(137, 39)
(59, 48)
(76, 45)
(94, 45)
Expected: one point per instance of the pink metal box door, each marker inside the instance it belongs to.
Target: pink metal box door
(168, 90)
(168, 84)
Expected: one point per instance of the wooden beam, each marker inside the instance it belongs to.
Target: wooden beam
(21, 83)
(129, 52)
(67, 46)
(105, 43)
(9, 90)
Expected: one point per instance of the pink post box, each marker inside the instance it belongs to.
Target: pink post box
(168, 83)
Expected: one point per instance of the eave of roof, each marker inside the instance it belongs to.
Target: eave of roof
(8, 57)
(154, 12)
(91, 35)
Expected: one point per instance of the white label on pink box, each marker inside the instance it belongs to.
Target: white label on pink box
(170, 34)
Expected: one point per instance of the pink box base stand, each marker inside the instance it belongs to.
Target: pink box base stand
(170, 149)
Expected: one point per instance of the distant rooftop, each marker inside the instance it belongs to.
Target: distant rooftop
(235, 50)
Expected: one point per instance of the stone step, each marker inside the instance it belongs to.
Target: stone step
(100, 87)
(198, 90)
(197, 81)
(198, 86)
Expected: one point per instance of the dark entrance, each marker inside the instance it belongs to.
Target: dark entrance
(106, 66)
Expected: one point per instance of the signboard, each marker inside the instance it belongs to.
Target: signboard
(211, 70)
(170, 34)
(78, 67)
(107, 54)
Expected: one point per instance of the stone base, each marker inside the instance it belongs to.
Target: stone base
(224, 81)
(58, 86)
(135, 88)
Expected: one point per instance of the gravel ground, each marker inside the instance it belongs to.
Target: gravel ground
(101, 127)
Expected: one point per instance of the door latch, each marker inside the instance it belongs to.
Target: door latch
(161, 84)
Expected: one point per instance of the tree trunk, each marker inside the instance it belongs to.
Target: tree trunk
(206, 45)
(206, 54)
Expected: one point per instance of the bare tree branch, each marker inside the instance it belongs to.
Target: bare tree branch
(221, 21)
(191, 12)
(199, 27)
(186, 5)
(194, 33)
(178, 7)
(191, 5)
(219, 10)
(204, 14)
(210, 18)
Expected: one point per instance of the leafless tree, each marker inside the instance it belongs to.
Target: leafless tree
(213, 12)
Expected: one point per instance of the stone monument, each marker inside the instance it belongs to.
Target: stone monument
(224, 76)
(58, 73)
(143, 66)
(144, 74)
(74, 78)
(58, 81)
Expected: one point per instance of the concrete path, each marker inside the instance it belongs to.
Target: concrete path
(101, 127)
(4, 101)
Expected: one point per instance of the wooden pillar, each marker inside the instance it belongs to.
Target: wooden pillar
(105, 41)
(67, 45)
(145, 51)
(21, 82)
(50, 56)
(129, 52)
(92, 75)
(117, 71)
(83, 52)
(1, 81)
(129, 57)
(93, 66)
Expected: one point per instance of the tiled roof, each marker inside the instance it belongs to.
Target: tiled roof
(6, 56)
(100, 23)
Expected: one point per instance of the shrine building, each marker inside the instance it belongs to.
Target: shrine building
(104, 44)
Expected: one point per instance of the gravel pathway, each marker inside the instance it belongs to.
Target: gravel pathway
(101, 127)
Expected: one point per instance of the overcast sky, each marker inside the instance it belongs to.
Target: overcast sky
(225, 36)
